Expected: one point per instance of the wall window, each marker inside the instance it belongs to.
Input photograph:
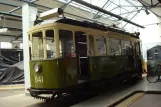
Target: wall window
(101, 46)
(126, 47)
(114, 46)
(21, 45)
(50, 44)
(66, 43)
(6, 45)
(91, 45)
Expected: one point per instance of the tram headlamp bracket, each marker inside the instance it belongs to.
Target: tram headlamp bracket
(37, 67)
(51, 13)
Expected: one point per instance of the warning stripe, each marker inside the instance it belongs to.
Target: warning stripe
(130, 100)
(117, 102)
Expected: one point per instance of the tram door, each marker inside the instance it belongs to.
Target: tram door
(81, 54)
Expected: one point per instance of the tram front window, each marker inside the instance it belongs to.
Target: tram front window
(37, 46)
(50, 44)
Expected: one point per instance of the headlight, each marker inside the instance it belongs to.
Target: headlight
(37, 67)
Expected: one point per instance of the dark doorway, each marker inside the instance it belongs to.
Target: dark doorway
(81, 54)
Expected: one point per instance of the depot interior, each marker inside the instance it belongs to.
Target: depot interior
(133, 16)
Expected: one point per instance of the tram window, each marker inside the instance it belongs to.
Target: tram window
(91, 45)
(126, 47)
(114, 46)
(50, 44)
(101, 46)
(37, 46)
(66, 43)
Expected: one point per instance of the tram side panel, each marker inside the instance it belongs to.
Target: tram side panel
(107, 67)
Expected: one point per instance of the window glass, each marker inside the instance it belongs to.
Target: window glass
(126, 47)
(37, 46)
(66, 43)
(114, 47)
(137, 48)
(91, 45)
(101, 46)
(21, 45)
(6, 45)
(50, 44)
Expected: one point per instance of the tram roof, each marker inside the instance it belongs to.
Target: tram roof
(88, 24)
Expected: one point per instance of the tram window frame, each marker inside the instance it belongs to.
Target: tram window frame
(139, 48)
(50, 47)
(40, 52)
(107, 46)
(68, 53)
(99, 52)
(91, 45)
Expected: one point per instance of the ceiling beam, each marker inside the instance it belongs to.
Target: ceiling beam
(106, 12)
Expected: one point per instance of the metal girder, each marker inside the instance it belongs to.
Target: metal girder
(131, 18)
(102, 7)
(132, 11)
(11, 14)
(11, 28)
(128, 1)
(119, 6)
(106, 12)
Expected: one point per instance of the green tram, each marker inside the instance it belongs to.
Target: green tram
(66, 53)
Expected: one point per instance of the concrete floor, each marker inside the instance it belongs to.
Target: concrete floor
(17, 98)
